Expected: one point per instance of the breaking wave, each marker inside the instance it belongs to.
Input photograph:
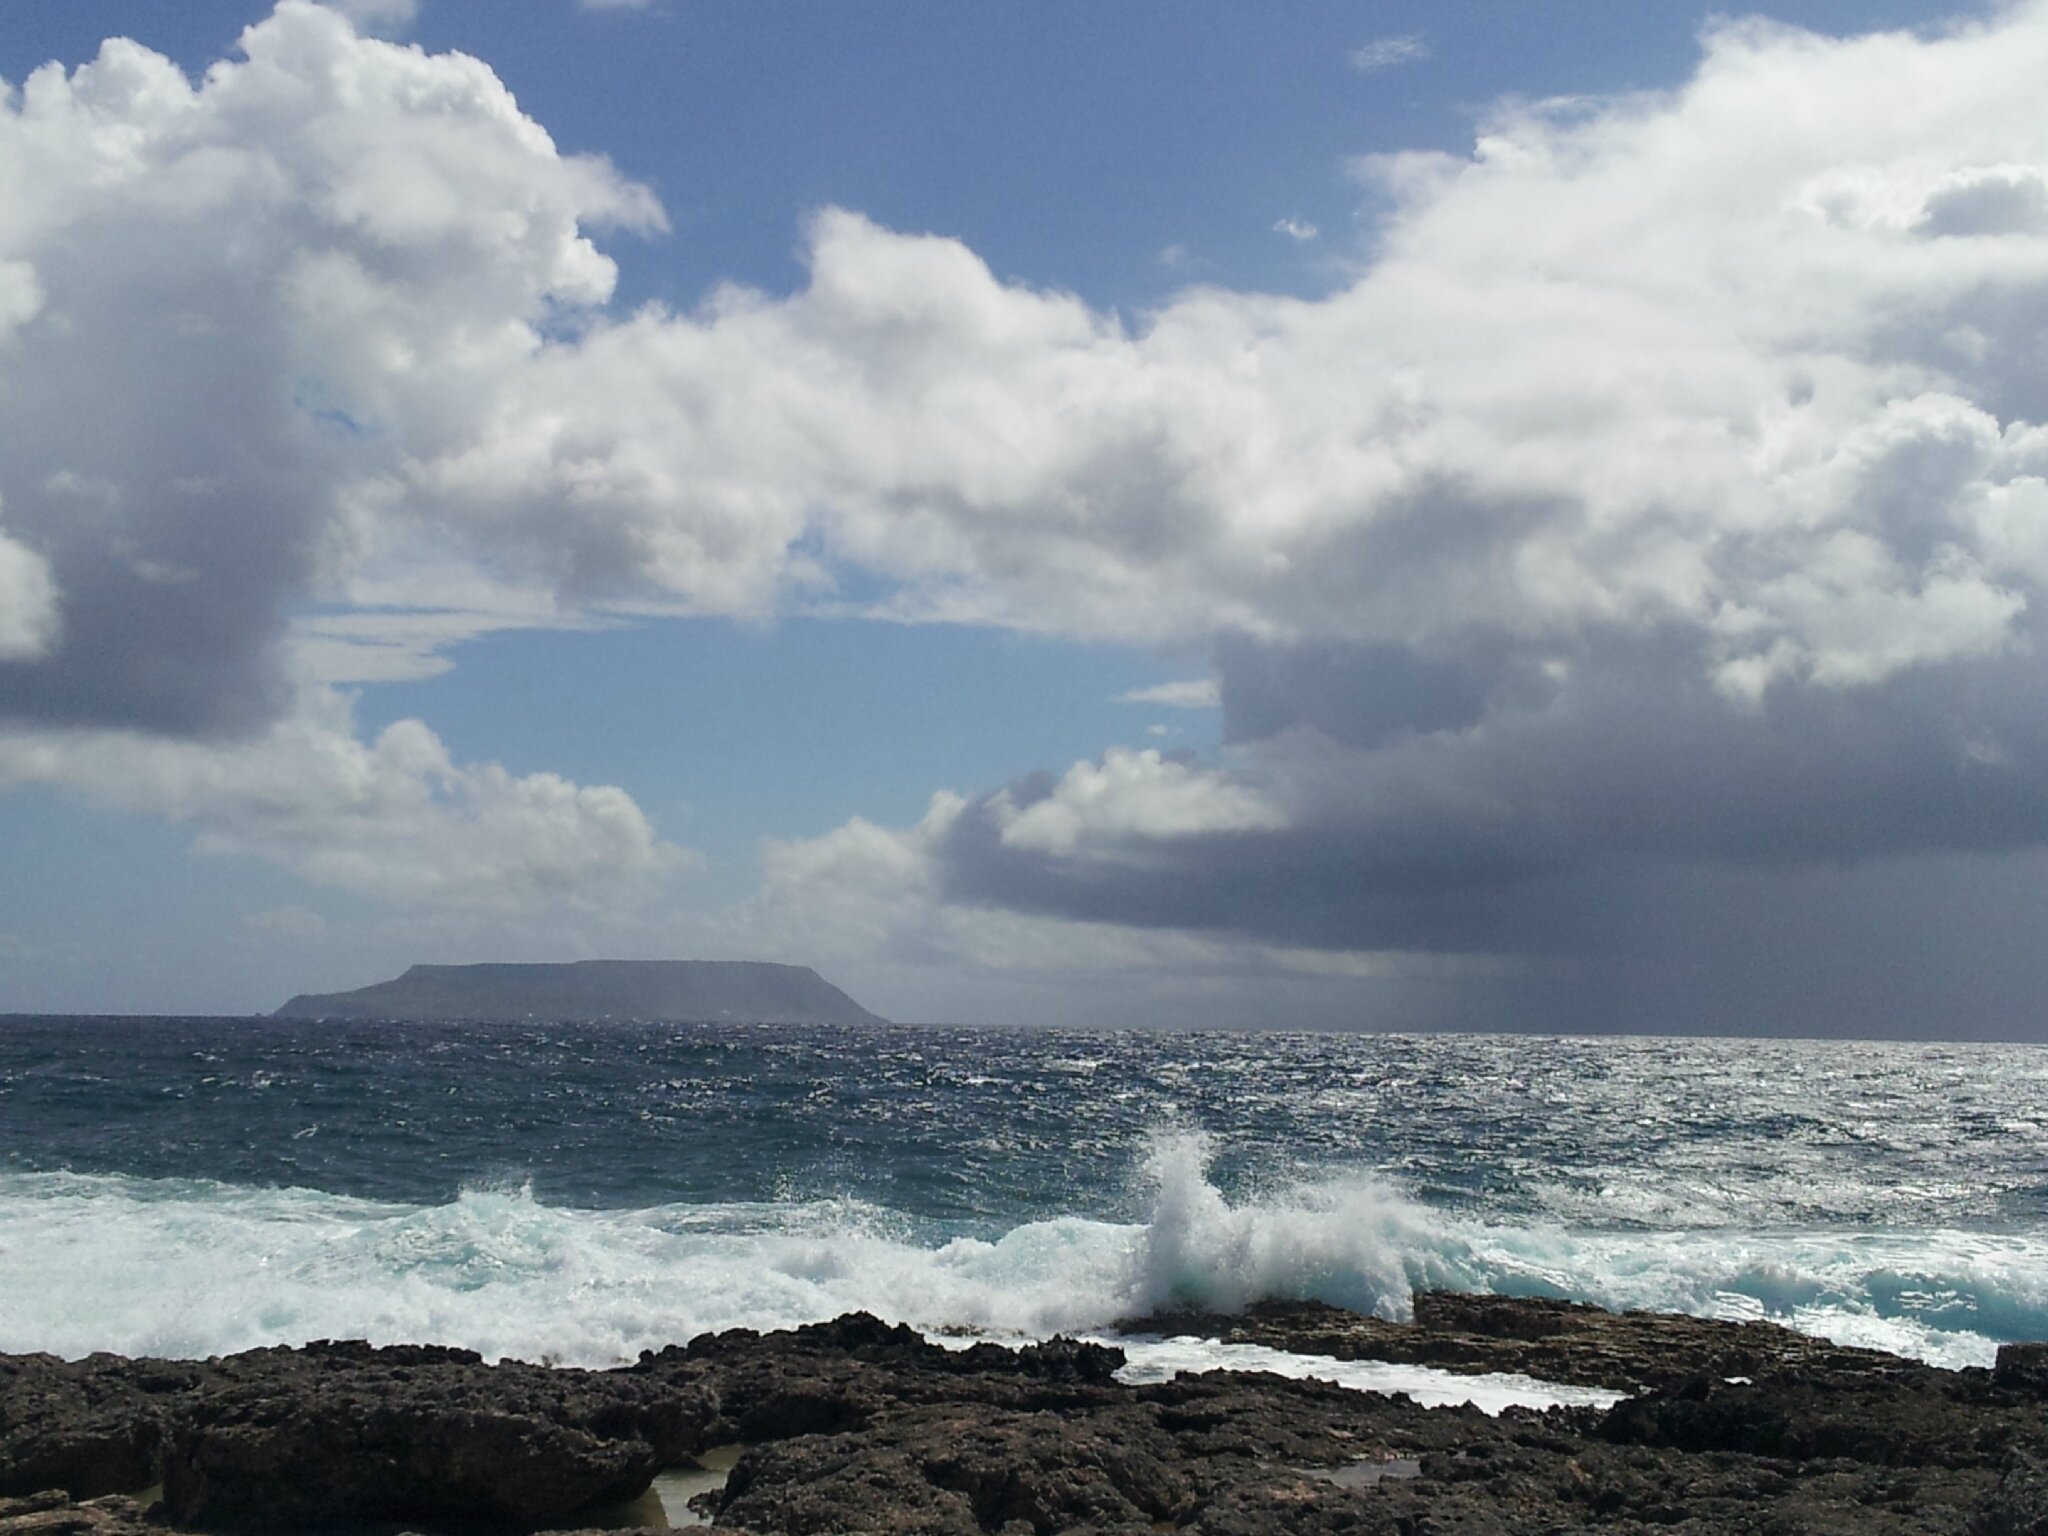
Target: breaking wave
(194, 1268)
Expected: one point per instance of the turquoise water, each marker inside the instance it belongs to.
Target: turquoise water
(583, 1191)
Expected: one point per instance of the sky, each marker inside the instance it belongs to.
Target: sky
(1353, 514)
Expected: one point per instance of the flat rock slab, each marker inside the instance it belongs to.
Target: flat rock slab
(55, 1513)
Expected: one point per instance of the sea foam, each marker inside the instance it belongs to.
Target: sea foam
(192, 1268)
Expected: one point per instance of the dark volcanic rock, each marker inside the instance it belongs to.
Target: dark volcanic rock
(2023, 1368)
(966, 1470)
(349, 1457)
(1551, 1340)
(2018, 1506)
(859, 1426)
(337, 1432)
(89, 1427)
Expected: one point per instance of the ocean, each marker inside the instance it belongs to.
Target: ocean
(579, 1192)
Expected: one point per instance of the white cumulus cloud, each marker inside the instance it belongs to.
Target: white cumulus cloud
(394, 817)
(1621, 367)
(1128, 799)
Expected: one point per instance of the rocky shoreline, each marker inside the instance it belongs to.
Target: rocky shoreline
(854, 1425)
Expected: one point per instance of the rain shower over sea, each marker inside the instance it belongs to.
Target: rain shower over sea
(579, 1192)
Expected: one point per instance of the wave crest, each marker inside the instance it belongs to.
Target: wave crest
(188, 1268)
(1353, 1242)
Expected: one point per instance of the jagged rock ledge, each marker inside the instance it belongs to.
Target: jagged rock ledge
(857, 1426)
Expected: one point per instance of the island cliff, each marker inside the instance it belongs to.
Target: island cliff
(682, 991)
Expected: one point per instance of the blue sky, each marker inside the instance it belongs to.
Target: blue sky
(430, 541)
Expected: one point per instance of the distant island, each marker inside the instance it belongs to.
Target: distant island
(680, 991)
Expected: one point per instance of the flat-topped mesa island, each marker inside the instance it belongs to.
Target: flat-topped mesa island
(676, 991)
(858, 1426)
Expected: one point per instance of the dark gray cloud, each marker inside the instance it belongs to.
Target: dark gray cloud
(157, 462)
(1358, 696)
(1625, 832)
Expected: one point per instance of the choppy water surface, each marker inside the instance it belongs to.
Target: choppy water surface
(583, 1191)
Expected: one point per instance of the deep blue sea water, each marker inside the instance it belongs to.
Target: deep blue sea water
(579, 1192)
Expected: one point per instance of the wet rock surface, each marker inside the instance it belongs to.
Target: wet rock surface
(1560, 1341)
(858, 1426)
